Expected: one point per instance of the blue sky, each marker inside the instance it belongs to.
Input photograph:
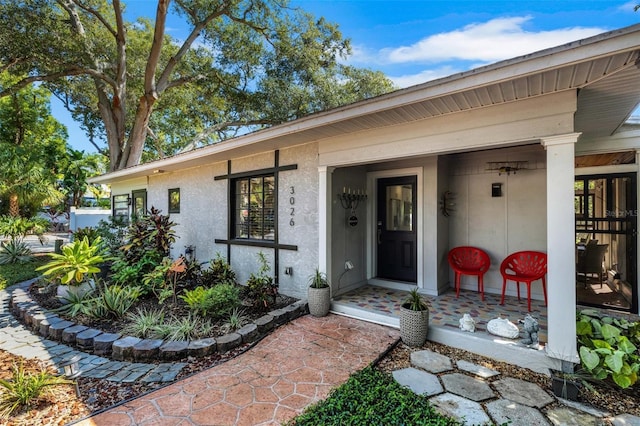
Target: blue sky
(416, 41)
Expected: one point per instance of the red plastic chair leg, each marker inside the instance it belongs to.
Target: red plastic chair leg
(457, 284)
(504, 288)
(518, 287)
(544, 290)
(481, 286)
(528, 295)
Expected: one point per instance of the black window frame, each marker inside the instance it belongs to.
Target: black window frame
(258, 211)
(173, 207)
(120, 207)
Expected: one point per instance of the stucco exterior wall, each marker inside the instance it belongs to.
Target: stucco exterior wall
(499, 225)
(202, 217)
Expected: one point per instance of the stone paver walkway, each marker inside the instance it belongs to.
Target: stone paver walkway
(480, 396)
(296, 365)
(17, 339)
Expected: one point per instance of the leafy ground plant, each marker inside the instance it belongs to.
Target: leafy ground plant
(371, 397)
(143, 323)
(25, 389)
(608, 347)
(261, 286)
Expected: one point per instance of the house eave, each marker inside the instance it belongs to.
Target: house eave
(438, 97)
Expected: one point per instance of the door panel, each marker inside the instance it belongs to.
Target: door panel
(606, 218)
(397, 233)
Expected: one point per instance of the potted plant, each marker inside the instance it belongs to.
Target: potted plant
(319, 294)
(75, 267)
(414, 319)
(565, 385)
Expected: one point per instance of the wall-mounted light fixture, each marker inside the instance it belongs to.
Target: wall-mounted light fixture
(351, 198)
(158, 171)
(496, 189)
(507, 167)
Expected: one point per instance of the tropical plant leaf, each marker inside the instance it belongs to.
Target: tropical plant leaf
(609, 332)
(614, 361)
(590, 359)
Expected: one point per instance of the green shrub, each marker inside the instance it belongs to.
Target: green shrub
(112, 232)
(214, 301)
(143, 323)
(25, 389)
(371, 397)
(262, 289)
(237, 319)
(16, 228)
(91, 233)
(117, 300)
(197, 300)
(15, 251)
(219, 272)
(124, 273)
(608, 347)
(78, 303)
(151, 232)
(185, 328)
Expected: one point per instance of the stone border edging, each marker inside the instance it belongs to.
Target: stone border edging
(128, 348)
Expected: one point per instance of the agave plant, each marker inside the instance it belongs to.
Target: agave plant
(15, 251)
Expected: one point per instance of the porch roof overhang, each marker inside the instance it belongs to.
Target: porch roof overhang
(604, 70)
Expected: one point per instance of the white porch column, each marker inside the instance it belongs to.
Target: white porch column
(561, 275)
(324, 219)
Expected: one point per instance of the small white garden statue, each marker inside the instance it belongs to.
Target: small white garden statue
(467, 323)
(503, 327)
(530, 327)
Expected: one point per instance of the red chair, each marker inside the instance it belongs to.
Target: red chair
(526, 267)
(467, 260)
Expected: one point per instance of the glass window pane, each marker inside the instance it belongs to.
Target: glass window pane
(399, 208)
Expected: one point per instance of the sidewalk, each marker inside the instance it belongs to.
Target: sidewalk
(295, 366)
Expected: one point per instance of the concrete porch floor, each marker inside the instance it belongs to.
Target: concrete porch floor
(381, 305)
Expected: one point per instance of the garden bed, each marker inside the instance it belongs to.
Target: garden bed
(108, 338)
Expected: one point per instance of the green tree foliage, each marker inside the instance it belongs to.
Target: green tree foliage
(245, 64)
(77, 167)
(32, 143)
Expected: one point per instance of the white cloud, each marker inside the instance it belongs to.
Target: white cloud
(423, 76)
(495, 40)
(628, 6)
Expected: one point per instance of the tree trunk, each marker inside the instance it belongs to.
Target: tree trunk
(14, 205)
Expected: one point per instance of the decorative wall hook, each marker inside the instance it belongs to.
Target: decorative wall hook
(446, 203)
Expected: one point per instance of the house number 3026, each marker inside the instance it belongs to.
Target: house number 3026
(292, 203)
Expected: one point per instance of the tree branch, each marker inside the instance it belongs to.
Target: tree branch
(54, 76)
(186, 45)
(98, 16)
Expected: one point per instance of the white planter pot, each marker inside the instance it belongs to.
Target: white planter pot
(319, 301)
(64, 291)
(414, 326)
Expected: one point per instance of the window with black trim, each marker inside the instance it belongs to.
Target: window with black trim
(254, 208)
(174, 200)
(121, 207)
